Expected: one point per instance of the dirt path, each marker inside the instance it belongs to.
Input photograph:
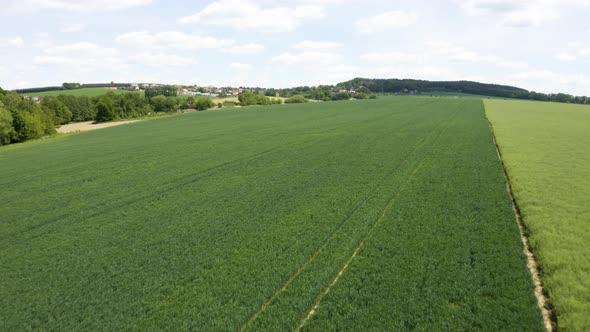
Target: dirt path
(89, 125)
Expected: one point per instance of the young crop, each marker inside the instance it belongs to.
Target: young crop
(384, 214)
(545, 149)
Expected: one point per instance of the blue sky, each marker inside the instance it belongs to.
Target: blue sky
(541, 45)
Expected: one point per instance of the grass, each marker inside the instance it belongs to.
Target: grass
(545, 149)
(242, 219)
(90, 92)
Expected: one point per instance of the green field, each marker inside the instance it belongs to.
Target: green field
(387, 214)
(90, 92)
(545, 147)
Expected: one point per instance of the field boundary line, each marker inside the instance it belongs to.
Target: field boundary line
(543, 301)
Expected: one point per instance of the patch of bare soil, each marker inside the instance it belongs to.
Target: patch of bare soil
(89, 125)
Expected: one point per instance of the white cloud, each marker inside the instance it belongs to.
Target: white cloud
(391, 58)
(248, 48)
(307, 59)
(170, 39)
(308, 45)
(16, 7)
(413, 71)
(574, 54)
(253, 15)
(240, 66)
(11, 41)
(564, 56)
(460, 54)
(160, 59)
(41, 40)
(550, 82)
(72, 27)
(386, 21)
(523, 13)
(80, 55)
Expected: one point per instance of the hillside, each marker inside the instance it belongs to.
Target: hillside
(394, 85)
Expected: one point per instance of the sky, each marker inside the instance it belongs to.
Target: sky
(539, 45)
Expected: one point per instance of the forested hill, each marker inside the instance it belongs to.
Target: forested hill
(476, 88)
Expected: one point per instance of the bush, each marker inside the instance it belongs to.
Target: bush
(204, 103)
(249, 98)
(297, 99)
(341, 96)
(163, 104)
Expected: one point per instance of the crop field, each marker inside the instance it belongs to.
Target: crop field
(90, 92)
(545, 147)
(387, 214)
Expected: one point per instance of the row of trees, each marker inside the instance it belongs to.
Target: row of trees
(166, 90)
(72, 86)
(494, 90)
(22, 119)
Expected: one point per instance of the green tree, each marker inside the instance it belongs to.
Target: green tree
(26, 126)
(71, 86)
(6, 130)
(105, 110)
(60, 111)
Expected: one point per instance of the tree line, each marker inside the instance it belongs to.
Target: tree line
(72, 86)
(22, 118)
(476, 88)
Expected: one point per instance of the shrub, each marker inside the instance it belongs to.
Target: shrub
(203, 104)
(297, 99)
(163, 104)
(249, 98)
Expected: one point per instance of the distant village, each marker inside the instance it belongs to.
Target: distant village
(191, 90)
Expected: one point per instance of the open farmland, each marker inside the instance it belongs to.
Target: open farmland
(545, 148)
(90, 92)
(358, 215)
